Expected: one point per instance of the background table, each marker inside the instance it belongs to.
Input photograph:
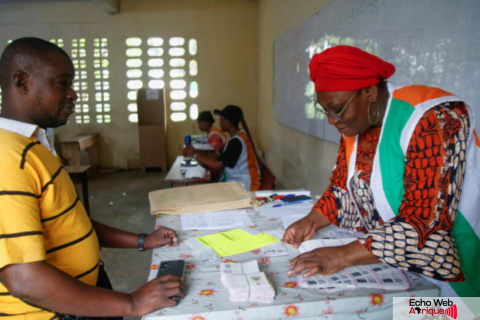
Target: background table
(207, 298)
(176, 178)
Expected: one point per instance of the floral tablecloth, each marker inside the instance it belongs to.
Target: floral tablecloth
(207, 299)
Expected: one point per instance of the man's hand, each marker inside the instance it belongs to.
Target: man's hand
(324, 261)
(156, 294)
(163, 236)
(189, 152)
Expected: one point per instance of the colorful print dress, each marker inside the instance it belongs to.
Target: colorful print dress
(419, 238)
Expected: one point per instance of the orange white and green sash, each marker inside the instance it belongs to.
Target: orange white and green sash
(405, 108)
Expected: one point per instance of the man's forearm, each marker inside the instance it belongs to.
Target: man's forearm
(114, 238)
(42, 284)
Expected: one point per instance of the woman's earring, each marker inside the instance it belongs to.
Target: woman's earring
(377, 113)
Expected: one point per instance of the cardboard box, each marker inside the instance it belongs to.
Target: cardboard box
(152, 129)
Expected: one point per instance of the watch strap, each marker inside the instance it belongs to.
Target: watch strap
(141, 241)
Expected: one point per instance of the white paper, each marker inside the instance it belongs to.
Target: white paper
(274, 249)
(152, 94)
(216, 220)
(194, 244)
(194, 172)
(268, 209)
(206, 256)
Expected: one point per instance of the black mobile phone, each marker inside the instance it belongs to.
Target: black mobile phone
(174, 267)
(293, 199)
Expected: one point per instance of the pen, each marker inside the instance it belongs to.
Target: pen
(283, 204)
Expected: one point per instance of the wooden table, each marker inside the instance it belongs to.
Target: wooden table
(71, 148)
(177, 179)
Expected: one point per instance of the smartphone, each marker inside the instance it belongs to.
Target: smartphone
(293, 199)
(174, 267)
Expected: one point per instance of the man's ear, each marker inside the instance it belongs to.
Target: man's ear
(21, 81)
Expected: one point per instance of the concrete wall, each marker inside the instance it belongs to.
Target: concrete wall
(226, 31)
(298, 160)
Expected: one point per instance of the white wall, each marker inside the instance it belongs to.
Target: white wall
(298, 160)
(226, 31)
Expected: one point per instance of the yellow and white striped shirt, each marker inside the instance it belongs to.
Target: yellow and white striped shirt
(41, 216)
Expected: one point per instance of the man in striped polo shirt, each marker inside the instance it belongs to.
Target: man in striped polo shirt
(49, 248)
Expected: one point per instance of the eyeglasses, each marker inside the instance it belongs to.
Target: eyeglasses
(335, 115)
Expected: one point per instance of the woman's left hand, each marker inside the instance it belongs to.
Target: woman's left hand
(324, 261)
(163, 236)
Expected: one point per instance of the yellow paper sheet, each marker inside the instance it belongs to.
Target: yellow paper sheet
(235, 241)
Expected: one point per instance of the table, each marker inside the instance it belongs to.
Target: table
(177, 179)
(71, 148)
(81, 172)
(207, 299)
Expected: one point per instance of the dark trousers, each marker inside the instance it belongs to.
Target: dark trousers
(102, 282)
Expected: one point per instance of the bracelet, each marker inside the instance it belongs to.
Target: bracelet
(141, 241)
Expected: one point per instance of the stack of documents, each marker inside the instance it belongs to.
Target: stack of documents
(376, 276)
(201, 198)
(216, 220)
(251, 287)
(245, 282)
(237, 268)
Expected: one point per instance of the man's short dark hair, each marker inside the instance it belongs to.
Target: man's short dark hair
(26, 54)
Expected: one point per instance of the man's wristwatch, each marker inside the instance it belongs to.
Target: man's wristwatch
(141, 241)
(195, 156)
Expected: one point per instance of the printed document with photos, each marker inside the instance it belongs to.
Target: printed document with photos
(376, 276)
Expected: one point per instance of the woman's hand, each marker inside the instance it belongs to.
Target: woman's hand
(305, 228)
(163, 236)
(324, 261)
(330, 260)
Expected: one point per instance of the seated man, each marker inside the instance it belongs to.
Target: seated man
(216, 137)
(237, 160)
(49, 248)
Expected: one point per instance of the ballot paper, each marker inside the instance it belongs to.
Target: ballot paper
(278, 209)
(251, 287)
(236, 268)
(275, 249)
(245, 282)
(376, 276)
(216, 220)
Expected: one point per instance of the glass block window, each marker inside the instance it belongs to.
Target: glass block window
(157, 63)
(58, 42)
(134, 65)
(102, 80)
(79, 57)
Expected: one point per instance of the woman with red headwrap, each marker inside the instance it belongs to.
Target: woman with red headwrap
(407, 173)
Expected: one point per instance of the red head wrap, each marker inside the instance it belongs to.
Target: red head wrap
(345, 68)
